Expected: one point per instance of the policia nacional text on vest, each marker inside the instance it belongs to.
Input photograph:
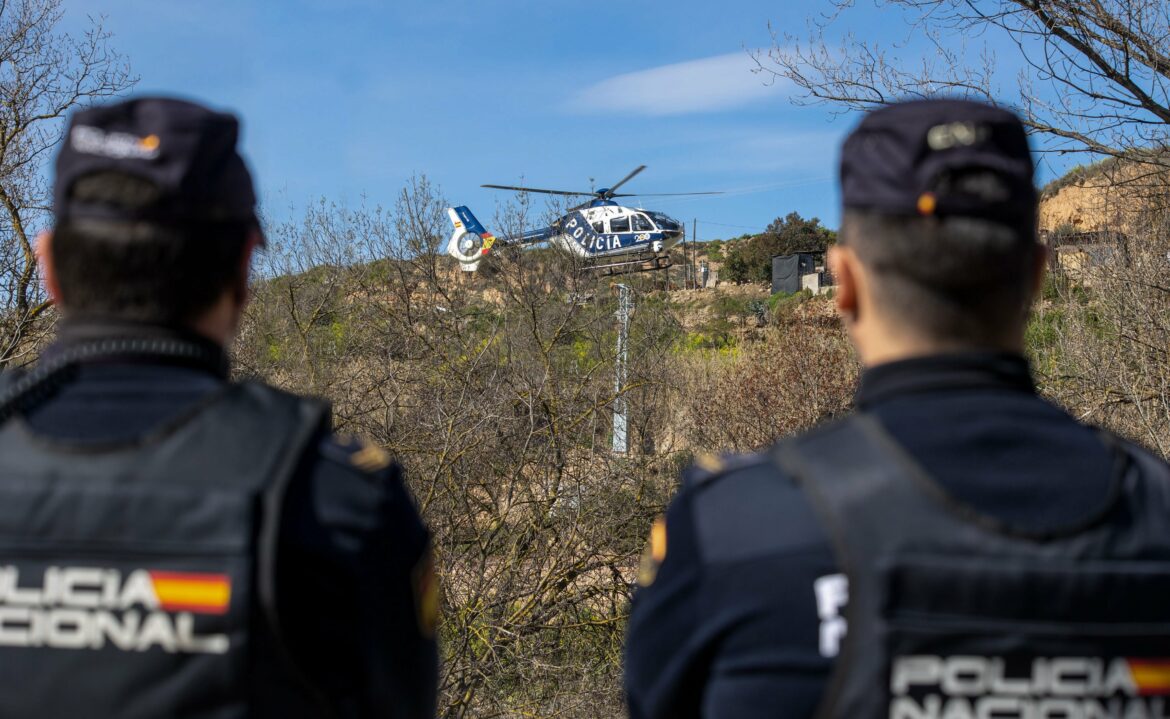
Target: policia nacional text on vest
(136, 579)
(954, 615)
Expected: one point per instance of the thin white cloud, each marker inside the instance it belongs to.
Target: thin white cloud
(776, 149)
(709, 84)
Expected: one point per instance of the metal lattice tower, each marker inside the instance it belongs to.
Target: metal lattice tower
(621, 443)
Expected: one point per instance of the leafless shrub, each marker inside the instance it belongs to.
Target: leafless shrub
(1101, 338)
(1093, 78)
(44, 75)
(495, 392)
(803, 373)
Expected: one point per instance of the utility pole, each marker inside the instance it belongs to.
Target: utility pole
(621, 443)
(695, 250)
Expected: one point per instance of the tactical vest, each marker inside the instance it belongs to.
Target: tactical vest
(137, 580)
(955, 615)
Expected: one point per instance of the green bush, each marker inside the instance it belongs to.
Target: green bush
(1043, 331)
(750, 259)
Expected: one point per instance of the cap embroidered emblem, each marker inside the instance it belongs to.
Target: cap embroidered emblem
(117, 145)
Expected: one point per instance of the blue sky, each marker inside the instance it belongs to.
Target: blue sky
(346, 99)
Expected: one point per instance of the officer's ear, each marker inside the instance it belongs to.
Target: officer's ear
(843, 267)
(48, 271)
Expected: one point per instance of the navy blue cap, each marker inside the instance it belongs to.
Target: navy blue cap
(185, 152)
(940, 157)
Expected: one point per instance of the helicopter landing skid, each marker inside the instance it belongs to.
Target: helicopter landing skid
(641, 264)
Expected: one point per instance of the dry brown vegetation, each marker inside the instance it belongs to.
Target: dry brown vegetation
(1100, 337)
(800, 372)
(496, 392)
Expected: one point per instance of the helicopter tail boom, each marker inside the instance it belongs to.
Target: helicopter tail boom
(470, 242)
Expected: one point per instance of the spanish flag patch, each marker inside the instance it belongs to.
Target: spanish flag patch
(188, 592)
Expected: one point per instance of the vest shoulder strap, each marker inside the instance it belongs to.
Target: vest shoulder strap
(309, 418)
(7, 377)
(834, 464)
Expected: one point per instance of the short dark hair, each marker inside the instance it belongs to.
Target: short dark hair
(143, 270)
(956, 279)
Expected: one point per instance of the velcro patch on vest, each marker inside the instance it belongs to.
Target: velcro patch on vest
(654, 553)
(67, 607)
(367, 456)
(972, 687)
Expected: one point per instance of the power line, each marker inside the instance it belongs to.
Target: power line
(724, 224)
(785, 185)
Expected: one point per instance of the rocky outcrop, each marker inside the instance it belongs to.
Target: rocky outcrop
(1113, 195)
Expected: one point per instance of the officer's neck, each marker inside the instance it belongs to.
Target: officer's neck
(217, 325)
(879, 343)
(220, 322)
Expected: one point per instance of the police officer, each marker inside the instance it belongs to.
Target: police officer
(959, 547)
(172, 543)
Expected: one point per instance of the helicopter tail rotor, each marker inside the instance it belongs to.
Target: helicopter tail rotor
(470, 242)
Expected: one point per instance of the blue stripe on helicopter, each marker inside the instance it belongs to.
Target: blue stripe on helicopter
(531, 237)
(469, 222)
(540, 235)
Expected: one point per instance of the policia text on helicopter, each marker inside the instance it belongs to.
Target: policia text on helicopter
(174, 544)
(958, 548)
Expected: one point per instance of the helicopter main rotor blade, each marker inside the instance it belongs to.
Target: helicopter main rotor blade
(537, 189)
(663, 194)
(624, 180)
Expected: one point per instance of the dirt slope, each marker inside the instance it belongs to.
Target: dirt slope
(1111, 195)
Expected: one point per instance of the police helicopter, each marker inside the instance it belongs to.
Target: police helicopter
(610, 236)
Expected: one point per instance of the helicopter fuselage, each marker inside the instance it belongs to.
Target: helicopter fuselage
(604, 229)
(599, 229)
(610, 229)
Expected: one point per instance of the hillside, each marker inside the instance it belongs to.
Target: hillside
(496, 392)
(1113, 194)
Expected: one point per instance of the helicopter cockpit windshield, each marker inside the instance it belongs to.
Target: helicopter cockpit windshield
(668, 224)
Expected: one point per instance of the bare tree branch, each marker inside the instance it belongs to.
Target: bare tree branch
(44, 75)
(1097, 73)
